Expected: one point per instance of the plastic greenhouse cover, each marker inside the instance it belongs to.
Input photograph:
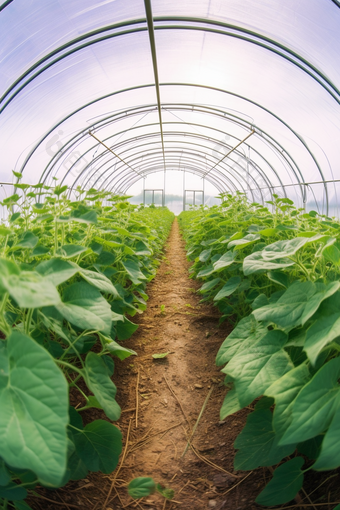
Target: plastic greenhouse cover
(225, 68)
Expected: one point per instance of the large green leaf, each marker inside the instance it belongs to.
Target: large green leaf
(227, 289)
(315, 405)
(69, 251)
(255, 368)
(34, 409)
(99, 382)
(206, 287)
(329, 457)
(28, 288)
(285, 484)
(258, 443)
(239, 244)
(246, 333)
(5, 476)
(57, 270)
(133, 270)
(204, 256)
(98, 445)
(28, 240)
(98, 280)
(320, 334)
(12, 492)
(226, 260)
(300, 301)
(287, 248)
(255, 263)
(84, 306)
(284, 391)
(125, 329)
(230, 404)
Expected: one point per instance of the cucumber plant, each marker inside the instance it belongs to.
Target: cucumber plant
(71, 271)
(276, 275)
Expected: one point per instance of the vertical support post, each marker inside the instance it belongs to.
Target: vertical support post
(203, 195)
(143, 196)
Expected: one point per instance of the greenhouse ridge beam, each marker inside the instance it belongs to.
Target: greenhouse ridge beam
(108, 148)
(149, 19)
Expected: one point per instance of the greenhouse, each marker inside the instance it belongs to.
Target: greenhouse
(169, 254)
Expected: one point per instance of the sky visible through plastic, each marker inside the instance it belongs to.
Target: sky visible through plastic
(171, 98)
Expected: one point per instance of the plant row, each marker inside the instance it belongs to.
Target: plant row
(70, 273)
(276, 275)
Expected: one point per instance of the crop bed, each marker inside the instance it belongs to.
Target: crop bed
(70, 273)
(276, 274)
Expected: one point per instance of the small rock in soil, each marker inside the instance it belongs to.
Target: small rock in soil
(198, 386)
(222, 480)
(212, 503)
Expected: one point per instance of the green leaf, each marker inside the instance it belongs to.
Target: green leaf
(226, 260)
(257, 367)
(287, 248)
(246, 333)
(315, 405)
(84, 306)
(329, 457)
(239, 244)
(14, 217)
(99, 382)
(5, 477)
(161, 355)
(4, 231)
(12, 491)
(125, 329)
(21, 505)
(166, 493)
(230, 404)
(279, 278)
(116, 349)
(227, 289)
(332, 254)
(204, 256)
(255, 263)
(39, 250)
(89, 217)
(28, 240)
(99, 280)
(320, 334)
(28, 288)
(300, 301)
(134, 272)
(268, 232)
(69, 251)
(57, 270)
(285, 484)
(99, 445)
(258, 443)
(34, 409)
(284, 391)
(141, 487)
(206, 287)
(207, 271)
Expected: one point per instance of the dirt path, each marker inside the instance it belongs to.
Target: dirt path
(170, 394)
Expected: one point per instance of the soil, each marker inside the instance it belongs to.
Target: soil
(162, 400)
